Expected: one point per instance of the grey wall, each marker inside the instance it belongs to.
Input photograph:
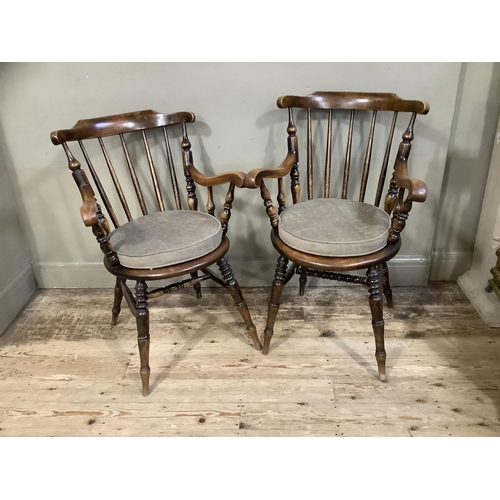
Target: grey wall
(17, 281)
(239, 127)
(467, 163)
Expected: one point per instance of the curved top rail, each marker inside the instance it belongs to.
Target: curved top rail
(380, 101)
(117, 124)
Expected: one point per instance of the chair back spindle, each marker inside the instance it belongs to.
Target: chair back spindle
(98, 184)
(328, 156)
(347, 162)
(385, 161)
(154, 176)
(310, 180)
(116, 182)
(171, 169)
(133, 175)
(368, 157)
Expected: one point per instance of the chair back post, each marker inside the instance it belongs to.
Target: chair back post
(293, 147)
(187, 158)
(228, 205)
(401, 206)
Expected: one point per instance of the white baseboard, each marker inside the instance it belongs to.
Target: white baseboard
(486, 304)
(72, 275)
(404, 270)
(447, 265)
(15, 294)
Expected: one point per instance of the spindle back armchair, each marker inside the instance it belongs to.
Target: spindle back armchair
(158, 232)
(329, 233)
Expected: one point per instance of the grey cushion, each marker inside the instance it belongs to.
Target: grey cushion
(166, 238)
(334, 228)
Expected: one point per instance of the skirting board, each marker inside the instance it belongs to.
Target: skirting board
(15, 294)
(404, 270)
(448, 265)
(487, 305)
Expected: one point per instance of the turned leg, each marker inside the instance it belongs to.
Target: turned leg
(141, 301)
(274, 302)
(386, 285)
(377, 310)
(241, 303)
(118, 301)
(197, 287)
(302, 282)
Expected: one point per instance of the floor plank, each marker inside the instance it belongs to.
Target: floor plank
(64, 371)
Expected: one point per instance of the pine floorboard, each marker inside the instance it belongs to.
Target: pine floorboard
(64, 371)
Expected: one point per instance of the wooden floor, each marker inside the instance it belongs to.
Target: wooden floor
(65, 372)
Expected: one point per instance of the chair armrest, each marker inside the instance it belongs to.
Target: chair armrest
(214, 180)
(254, 177)
(417, 189)
(89, 209)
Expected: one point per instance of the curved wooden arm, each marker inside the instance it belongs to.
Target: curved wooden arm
(254, 177)
(92, 215)
(417, 189)
(88, 211)
(89, 208)
(214, 180)
(398, 205)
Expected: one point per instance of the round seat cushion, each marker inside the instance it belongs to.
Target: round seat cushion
(166, 238)
(334, 228)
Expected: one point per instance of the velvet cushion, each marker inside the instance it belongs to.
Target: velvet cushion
(166, 238)
(334, 228)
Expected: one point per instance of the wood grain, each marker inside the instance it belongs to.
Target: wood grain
(64, 371)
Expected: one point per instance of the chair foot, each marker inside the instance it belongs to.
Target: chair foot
(255, 338)
(267, 341)
(274, 301)
(240, 302)
(380, 357)
(145, 381)
(118, 301)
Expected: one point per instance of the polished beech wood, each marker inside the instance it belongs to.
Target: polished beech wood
(126, 127)
(402, 192)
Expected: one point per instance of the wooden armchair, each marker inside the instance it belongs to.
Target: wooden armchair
(165, 241)
(326, 236)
